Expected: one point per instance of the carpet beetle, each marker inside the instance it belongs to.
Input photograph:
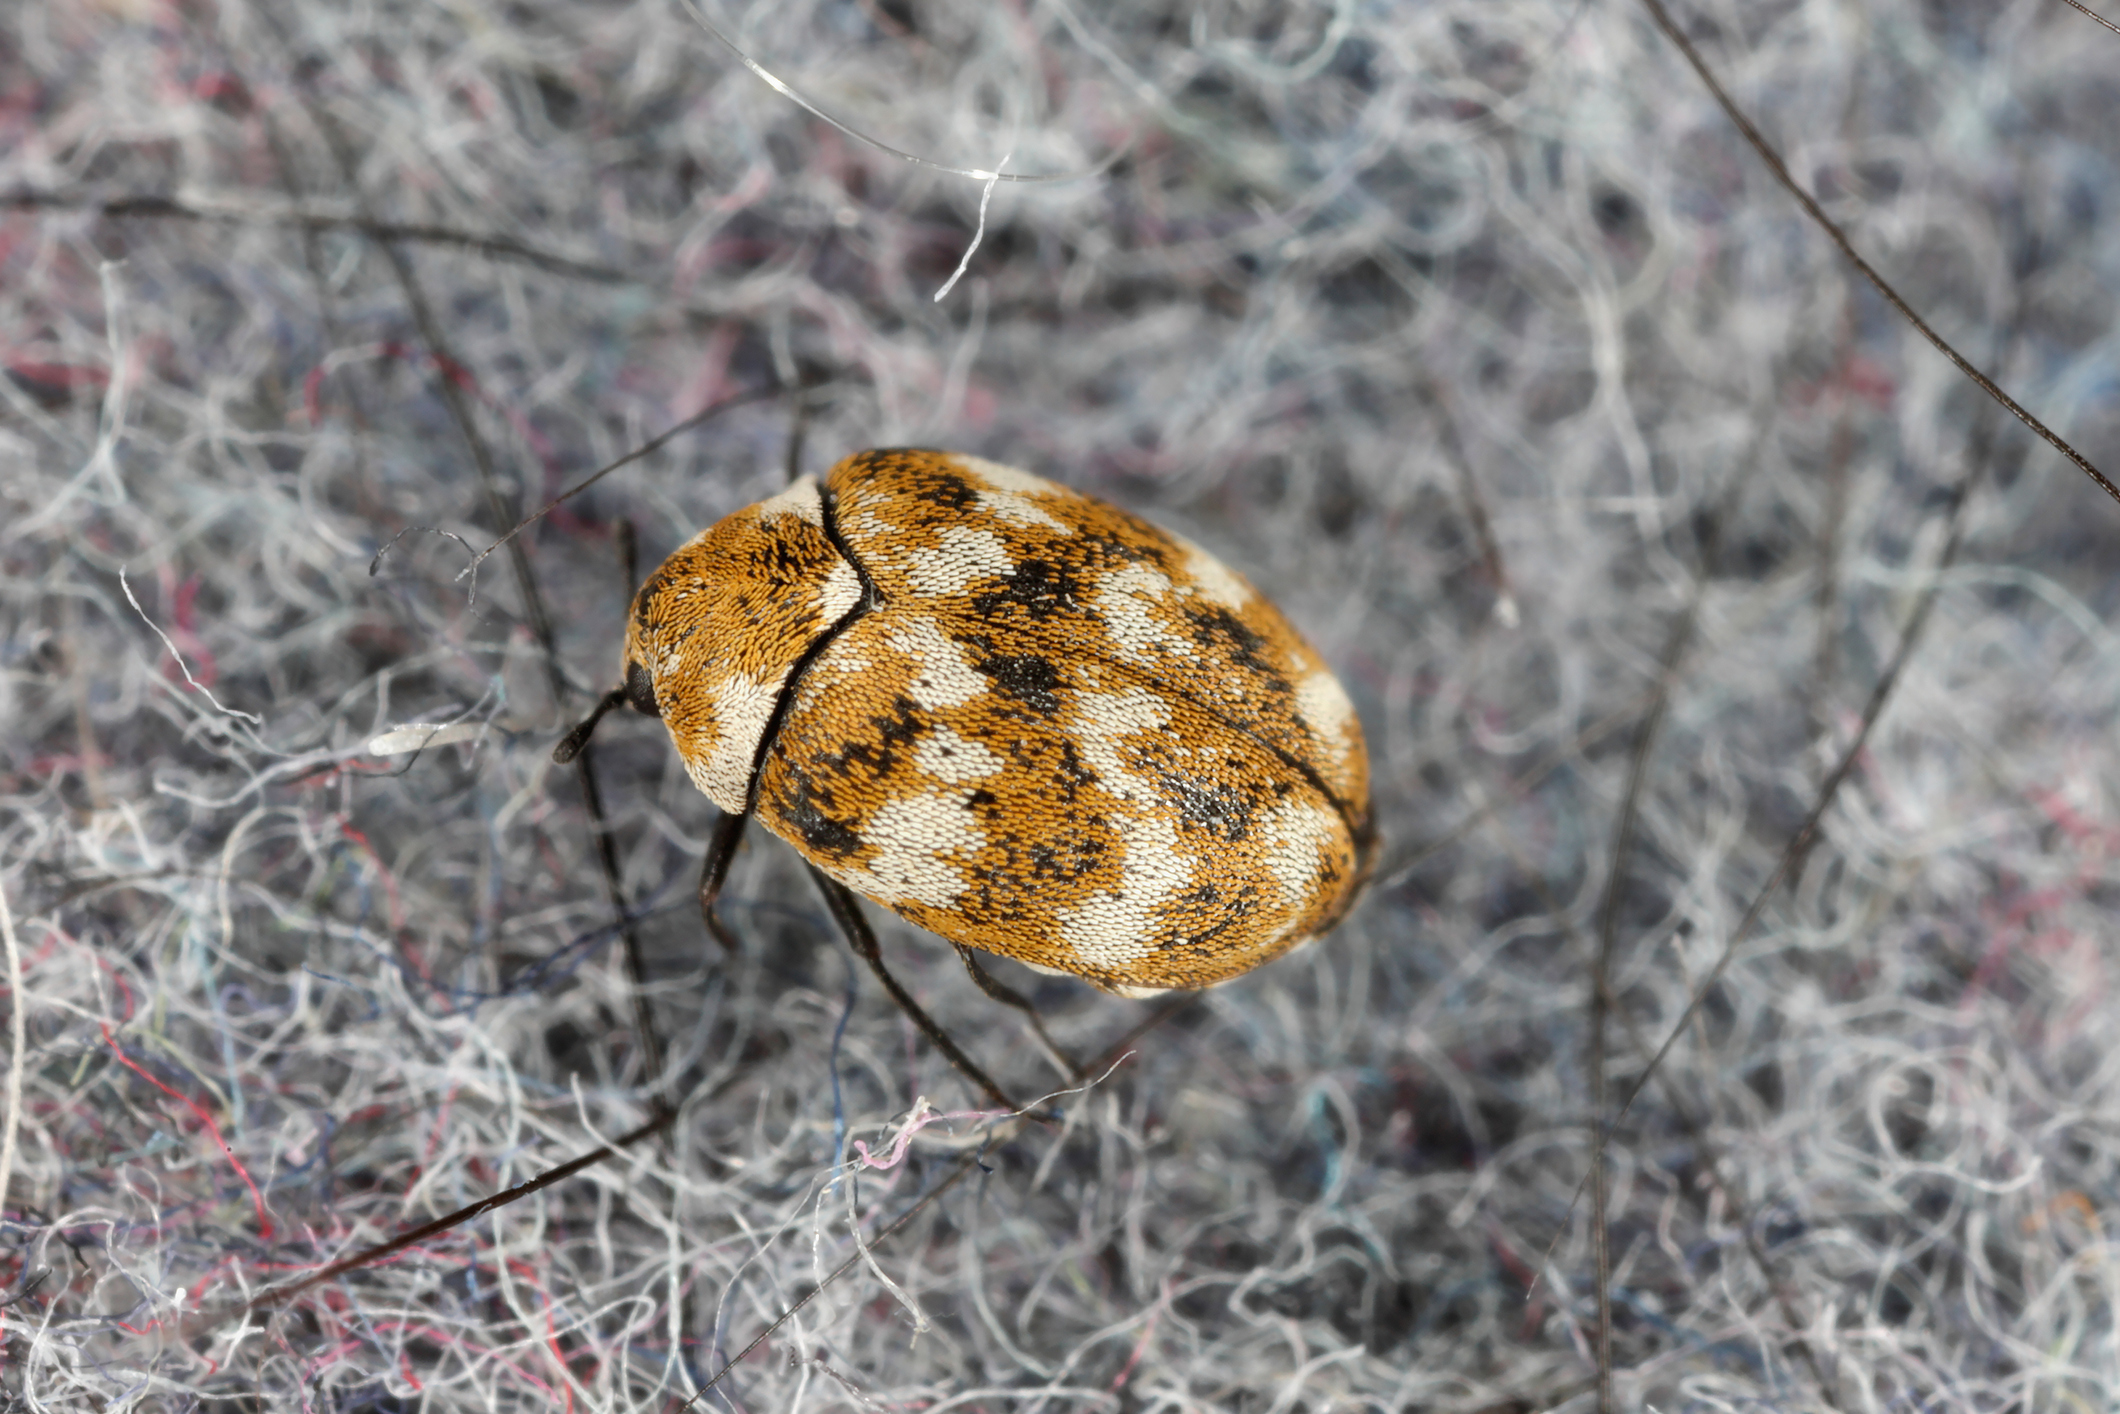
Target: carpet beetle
(1013, 714)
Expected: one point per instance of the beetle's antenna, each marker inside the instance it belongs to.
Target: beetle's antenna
(424, 319)
(570, 745)
(653, 444)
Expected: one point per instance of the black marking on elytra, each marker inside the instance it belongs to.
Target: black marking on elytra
(1361, 826)
(1038, 589)
(1029, 872)
(1108, 548)
(1230, 913)
(906, 459)
(804, 810)
(1071, 775)
(1082, 856)
(1222, 810)
(1228, 638)
(855, 755)
(945, 489)
(903, 726)
(1052, 759)
(1217, 623)
(1029, 679)
(783, 559)
(880, 757)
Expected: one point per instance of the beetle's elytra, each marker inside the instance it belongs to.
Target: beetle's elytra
(1016, 716)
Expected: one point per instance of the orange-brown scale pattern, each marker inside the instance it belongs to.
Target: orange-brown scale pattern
(723, 621)
(1057, 733)
(1098, 585)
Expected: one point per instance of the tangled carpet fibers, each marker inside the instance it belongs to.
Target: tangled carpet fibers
(1641, 530)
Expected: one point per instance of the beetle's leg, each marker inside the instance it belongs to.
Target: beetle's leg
(846, 912)
(1008, 996)
(714, 871)
(570, 745)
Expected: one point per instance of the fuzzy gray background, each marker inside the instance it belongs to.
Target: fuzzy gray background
(1469, 330)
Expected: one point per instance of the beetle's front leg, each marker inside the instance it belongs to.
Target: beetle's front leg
(714, 872)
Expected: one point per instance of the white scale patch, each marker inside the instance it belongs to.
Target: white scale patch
(947, 756)
(840, 592)
(1018, 510)
(1009, 479)
(965, 556)
(1302, 835)
(914, 839)
(1112, 929)
(799, 500)
(867, 525)
(1009, 491)
(1123, 598)
(944, 678)
(742, 706)
(1322, 704)
(1214, 579)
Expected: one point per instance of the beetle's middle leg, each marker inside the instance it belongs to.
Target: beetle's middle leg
(1009, 997)
(846, 912)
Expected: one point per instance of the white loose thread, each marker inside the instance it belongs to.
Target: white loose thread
(978, 234)
(182, 666)
(17, 1035)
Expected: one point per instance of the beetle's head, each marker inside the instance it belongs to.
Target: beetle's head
(716, 630)
(637, 692)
